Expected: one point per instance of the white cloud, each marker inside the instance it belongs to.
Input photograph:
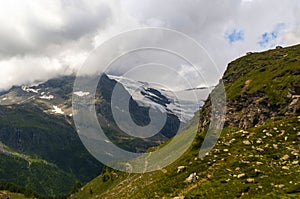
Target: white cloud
(16, 71)
(43, 39)
(292, 37)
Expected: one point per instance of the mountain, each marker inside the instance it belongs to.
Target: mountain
(39, 147)
(179, 102)
(257, 154)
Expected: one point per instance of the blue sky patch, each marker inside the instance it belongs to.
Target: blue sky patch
(270, 38)
(234, 36)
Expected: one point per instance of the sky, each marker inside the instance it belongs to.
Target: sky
(40, 40)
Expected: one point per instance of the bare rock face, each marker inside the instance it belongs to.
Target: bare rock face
(247, 112)
(253, 110)
(294, 101)
(243, 113)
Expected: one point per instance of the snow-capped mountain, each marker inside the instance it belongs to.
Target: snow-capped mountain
(181, 103)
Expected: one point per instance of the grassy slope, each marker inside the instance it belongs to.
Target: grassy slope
(14, 195)
(51, 146)
(217, 170)
(46, 178)
(269, 72)
(274, 177)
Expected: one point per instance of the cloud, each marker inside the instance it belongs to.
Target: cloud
(292, 37)
(34, 27)
(26, 74)
(43, 39)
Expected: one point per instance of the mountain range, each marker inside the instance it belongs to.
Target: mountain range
(39, 146)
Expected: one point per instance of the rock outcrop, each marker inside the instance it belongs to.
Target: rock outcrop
(253, 101)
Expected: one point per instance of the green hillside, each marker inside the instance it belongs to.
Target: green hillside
(43, 153)
(40, 149)
(257, 155)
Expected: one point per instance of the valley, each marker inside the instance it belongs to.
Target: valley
(37, 132)
(257, 155)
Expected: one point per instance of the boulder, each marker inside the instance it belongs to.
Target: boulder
(285, 157)
(192, 178)
(241, 175)
(250, 180)
(246, 142)
(181, 169)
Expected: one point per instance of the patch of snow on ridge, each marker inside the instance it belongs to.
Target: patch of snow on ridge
(57, 110)
(182, 103)
(28, 89)
(81, 93)
(50, 97)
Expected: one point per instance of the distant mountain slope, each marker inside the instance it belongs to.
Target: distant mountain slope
(257, 155)
(51, 157)
(180, 102)
(40, 148)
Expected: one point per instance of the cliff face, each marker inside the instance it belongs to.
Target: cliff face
(260, 86)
